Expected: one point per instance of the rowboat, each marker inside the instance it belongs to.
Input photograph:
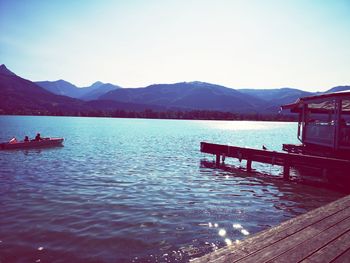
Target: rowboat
(44, 142)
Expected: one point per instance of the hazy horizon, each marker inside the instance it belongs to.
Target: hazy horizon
(237, 44)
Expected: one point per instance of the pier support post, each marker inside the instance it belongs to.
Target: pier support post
(286, 170)
(223, 157)
(217, 159)
(249, 165)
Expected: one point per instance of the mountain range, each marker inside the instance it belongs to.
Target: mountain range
(65, 88)
(21, 96)
(188, 95)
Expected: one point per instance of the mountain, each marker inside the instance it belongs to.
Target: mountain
(5, 71)
(95, 85)
(274, 98)
(21, 96)
(273, 94)
(188, 95)
(110, 105)
(96, 90)
(62, 87)
(338, 88)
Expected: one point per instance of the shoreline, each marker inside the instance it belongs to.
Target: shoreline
(160, 116)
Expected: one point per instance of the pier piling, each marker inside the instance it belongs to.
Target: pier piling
(249, 165)
(286, 171)
(217, 159)
(286, 160)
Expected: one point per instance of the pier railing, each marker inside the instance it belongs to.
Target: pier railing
(286, 160)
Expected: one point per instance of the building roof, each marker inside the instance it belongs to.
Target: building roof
(322, 103)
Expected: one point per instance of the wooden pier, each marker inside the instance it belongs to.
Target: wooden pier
(321, 235)
(286, 160)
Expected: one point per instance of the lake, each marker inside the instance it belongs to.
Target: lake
(138, 190)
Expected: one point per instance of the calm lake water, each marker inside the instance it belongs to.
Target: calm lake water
(137, 190)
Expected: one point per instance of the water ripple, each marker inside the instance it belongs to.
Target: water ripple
(125, 190)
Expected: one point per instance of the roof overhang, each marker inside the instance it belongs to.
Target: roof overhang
(323, 103)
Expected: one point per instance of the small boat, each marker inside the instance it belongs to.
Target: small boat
(44, 142)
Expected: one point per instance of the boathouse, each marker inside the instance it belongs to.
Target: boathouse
(323, 126)
(324, 133)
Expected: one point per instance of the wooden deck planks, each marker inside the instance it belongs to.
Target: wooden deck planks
(313, 243)
(323, 225)
(301, 238)
(332, 250)
(343, 258)
(273, 157)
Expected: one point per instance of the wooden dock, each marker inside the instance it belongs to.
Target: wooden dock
(321, 235)
(286, 160)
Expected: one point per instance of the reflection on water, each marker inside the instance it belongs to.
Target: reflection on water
(124, 190)
(240, 126)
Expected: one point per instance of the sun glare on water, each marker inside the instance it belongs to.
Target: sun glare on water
(239, 125)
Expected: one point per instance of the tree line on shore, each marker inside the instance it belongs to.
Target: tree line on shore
(169, 114)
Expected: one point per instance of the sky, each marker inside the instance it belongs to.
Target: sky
(301, 44)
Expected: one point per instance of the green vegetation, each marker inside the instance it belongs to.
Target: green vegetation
(169, 114)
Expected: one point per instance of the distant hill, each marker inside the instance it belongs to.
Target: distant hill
(18, 95)
(188, 95)
(96, 90)
(21, 96)
(273, 94)
(5, 71)
(60, 87)
(338, 88)
(206, 96)
(274, 98)
(110, 105)
(65, 88)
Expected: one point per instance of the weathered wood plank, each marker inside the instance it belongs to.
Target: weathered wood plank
(332, 250)
(313, 244)
(273, 235)
(276, 249)
(343, 258)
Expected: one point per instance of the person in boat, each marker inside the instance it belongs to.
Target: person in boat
(38, 137)
(13, 140)
(26, 139)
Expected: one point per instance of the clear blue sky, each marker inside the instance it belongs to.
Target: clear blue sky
(240, 44)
